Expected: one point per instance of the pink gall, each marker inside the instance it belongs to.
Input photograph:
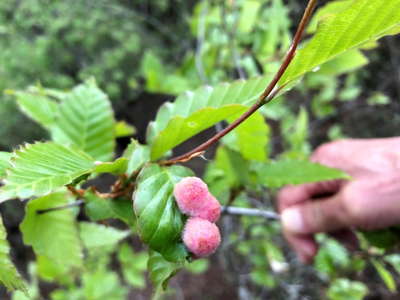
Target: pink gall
(190, 193)
(201, 237)
(210, 209)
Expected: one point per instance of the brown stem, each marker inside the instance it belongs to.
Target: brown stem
(269, 93)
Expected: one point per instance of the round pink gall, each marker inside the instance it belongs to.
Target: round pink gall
(201, 237)
(190, 193)
(210, 209)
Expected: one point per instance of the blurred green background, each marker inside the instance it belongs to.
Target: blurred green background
(145, 52)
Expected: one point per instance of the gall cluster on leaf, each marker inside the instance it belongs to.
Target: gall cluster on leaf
(200, 235)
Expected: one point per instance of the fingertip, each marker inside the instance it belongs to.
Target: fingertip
(292, 220)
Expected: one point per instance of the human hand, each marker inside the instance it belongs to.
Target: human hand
(369, 201)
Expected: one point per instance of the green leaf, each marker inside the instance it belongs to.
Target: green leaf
(297, 136)
(251, 138)
(9, 275)
(118, 166)
(343, 63)
(331, 8)
(283, 172)
(38, 107)
(134, 265)
(138, 155)
(103, 284)
(123, 129)
(161, 270)
(99, 238)
(263, 277)
(32, 286)
(40, 168)
(160, 222)
(344, 289)
(51, 271)
(180, 128)
(4, 162)
(52, 234)
(86, 121)
(361, 21)
(331, 256)
(98, 209)
(385, 275)
(384, 238)
(192, 112)
(248, 15)
(234, 168)
(394, 260)
(197, 266)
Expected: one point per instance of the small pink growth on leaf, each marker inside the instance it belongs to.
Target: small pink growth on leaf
(190, 193)
(201, 237)
(210, 210)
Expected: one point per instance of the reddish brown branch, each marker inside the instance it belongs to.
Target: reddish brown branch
(269, 93)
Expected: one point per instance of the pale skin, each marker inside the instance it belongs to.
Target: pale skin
(370, 200)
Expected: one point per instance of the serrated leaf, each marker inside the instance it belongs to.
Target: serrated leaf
(123, 129)
(52, 234)
(385, 275)
(161, 270)
(40, 168)
(192, 112)
(86, 120)
(359, 22)
(283, 172)
(137, 154)
(38, 107)
(119, 166)
(9, 275)
(100, 238)
(160, 222)
(4, 162)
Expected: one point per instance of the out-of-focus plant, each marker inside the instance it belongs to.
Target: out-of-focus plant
(55, 176)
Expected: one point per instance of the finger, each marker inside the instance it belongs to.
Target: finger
(373, 202)
(304, 245)
(312, 217)
(295, 194)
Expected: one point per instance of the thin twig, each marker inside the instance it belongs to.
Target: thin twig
(66, 206)
(75, 191)
(253, 212)
(269, 93)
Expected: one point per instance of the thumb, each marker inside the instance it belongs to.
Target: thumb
(323, 215)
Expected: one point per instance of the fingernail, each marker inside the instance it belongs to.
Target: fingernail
(292, 220)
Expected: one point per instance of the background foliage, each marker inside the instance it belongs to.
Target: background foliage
(142, 53)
